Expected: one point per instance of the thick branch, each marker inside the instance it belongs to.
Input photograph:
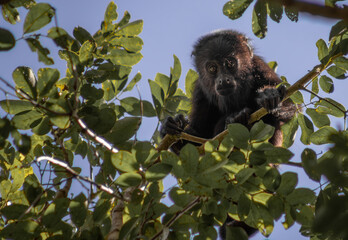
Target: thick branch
(316, 9)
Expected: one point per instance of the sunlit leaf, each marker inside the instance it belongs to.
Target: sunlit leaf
(326, 84)
(47, 77)
(25, 80)
(235, 9)
(125, 162)
(259, 19)
(322, 136)
(128, 179)
(38, 16)
(318, 119)
(158, 171)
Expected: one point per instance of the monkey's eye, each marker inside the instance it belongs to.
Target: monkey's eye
(212, 68)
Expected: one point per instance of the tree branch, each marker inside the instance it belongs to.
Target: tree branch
(177, 216)
(76, 175)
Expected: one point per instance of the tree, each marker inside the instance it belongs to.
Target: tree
(53, 121)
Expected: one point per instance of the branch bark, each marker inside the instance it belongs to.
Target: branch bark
(316, 9)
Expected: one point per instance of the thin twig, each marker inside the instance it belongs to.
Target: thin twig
(76, 175)
(178, 215)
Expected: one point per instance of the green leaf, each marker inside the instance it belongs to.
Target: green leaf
(38, 16)
(123, 130)
(257, 157)
(129, 179)
(323, 51)
(236, 233)
(243, 175)
(288, 183)
(20, 230)
(275, 11)
(275, 207)
(326, 84)
(157, 172)
(330, 106)
(261, 132)
(23, 120)
(125, 161)
(243, 207)
(78, 210)
(131, 44)
(110, 16)
(135, 107)
(315, 87)
(131, 29)
(306, 128)
(310, 164)
(122, 57)
(65, 41)
(7, 40)
(14, 211)
(101, 210)
(157, 96)
(341, 62)
(15, 106)
(272, 179)
(92, 93)
(297, 97)
(109, 90)
(180, 197)
(47, 77)
(322, 136)
(189, 157)
(43, 127)
(337, 72)
(289, 130)
(82, 35)
(259, 19)
(273, 65)
(190, 79)
(175, 72)
(86, 52)
(133, 82)
(278, 155)
(42, 52)
(25, 80)
(240, 135)
(291, 13)
(301, 196)
(235, 9)
(319, 120)
(23, 144)
(10, 14)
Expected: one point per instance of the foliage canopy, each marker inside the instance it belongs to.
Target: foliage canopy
(55, 120)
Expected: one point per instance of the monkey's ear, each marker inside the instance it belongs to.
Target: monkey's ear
(247, 43)
(244, 40)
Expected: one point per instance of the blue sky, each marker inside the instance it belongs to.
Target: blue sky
(172, 27)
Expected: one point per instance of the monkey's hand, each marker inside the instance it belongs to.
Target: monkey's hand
(173, 126)
(239, 117)
(269, 97)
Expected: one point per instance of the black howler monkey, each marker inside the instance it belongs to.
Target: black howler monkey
(232, 84)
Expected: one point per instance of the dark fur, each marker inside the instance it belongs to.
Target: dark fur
(241, 84)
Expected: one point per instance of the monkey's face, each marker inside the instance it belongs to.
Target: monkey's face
(223, 75)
